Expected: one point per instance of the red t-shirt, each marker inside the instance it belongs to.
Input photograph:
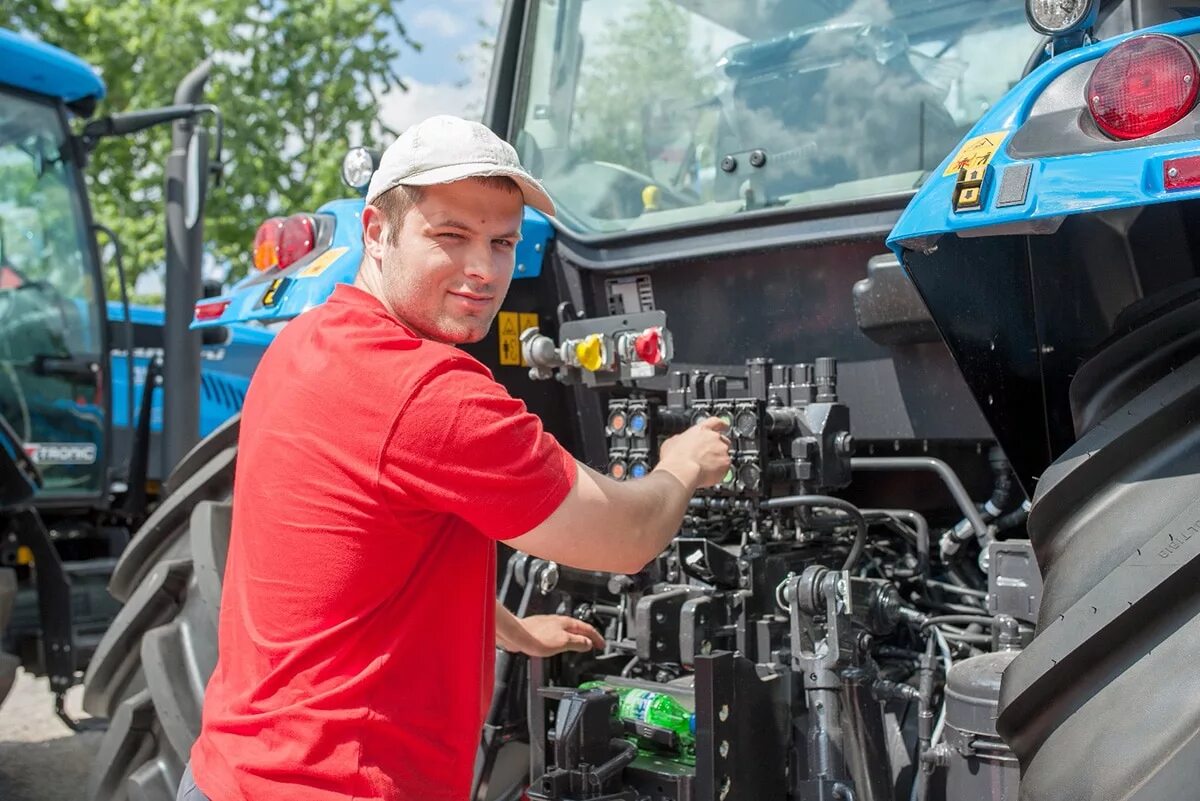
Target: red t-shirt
(357, 627)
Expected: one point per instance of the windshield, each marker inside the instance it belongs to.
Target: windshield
(49, 326)
(642, 113)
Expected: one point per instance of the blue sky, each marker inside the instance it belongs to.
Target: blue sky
(438, 78)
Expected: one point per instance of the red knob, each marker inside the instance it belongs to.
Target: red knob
(648, 346)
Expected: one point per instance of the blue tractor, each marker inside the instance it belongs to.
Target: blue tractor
(1057, 252)
(836, 617)
(80, 404)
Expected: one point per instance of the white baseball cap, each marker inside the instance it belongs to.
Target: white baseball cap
(445, 149)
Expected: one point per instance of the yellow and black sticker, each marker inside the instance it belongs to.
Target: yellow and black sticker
(509, 326)
(274, 292)
(970, 188)
(976, 152)
(321, 263)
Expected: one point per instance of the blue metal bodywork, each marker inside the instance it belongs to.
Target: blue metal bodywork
(224, 373)
(46, 70)
(279, 295)
(1060, 185)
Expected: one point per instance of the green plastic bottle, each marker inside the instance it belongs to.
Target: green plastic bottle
(653, 714)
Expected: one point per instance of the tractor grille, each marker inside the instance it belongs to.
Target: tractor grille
(221, 391)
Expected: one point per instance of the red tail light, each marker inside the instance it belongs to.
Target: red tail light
(210, 310)
(1142, 86)
(266, 244)
(296, 239)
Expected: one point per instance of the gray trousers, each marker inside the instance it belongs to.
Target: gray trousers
(187, 787)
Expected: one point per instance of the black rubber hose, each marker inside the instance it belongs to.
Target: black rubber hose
(943, 471)
(921, 533)
(1002, 484)
(829, 502)
(967, 637)
(957, 620)
(1037, 57)
(955, 589)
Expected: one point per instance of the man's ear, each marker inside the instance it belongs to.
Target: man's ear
(375, 231)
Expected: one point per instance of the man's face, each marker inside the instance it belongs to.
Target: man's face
(446, 271)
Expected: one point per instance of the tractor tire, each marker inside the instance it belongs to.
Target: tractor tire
(1105, 702)
(8, 598)
(149, 672)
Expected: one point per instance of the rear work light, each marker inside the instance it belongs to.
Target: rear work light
(210, 310)
(266, 244)
(297, 239)
(1143, 85)
(283, 241)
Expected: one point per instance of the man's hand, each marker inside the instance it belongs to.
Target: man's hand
(547, 635)
(699, 457)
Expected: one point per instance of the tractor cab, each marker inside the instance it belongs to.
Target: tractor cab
(53, 384)
(72, 494)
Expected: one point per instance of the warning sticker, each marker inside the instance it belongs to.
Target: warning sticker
(322, 262)
(508, 325)
(271, 296)
(976, 152)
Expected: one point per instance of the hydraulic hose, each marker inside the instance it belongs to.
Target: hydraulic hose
(929, 464)
(920, 531)
(829, 502)
(1002, 484)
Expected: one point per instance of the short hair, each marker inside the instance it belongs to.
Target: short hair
(396, 202)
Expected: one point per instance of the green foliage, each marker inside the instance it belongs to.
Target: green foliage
(298, 82)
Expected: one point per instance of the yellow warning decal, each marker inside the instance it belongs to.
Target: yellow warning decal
(322, 262)
(271, 296)
(975, 152)
(508, 324)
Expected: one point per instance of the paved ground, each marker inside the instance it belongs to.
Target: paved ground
(40, 758)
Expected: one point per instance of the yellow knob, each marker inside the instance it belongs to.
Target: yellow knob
(650, 197)
(590, 352)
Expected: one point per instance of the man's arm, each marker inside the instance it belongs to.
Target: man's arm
(544, 635)
(619, 526)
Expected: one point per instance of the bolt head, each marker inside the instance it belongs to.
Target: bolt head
(729, 164)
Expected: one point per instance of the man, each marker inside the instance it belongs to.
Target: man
(377, 466)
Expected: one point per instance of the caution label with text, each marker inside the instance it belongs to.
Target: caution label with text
(509, 326)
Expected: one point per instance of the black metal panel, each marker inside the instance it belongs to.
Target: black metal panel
(742, 730)
(978, 291)
(1023, 315)
(793, 304)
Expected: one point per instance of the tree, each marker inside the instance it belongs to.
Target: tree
(298, 82)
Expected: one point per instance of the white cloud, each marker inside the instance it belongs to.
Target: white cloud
(440, 22)
(399, 109)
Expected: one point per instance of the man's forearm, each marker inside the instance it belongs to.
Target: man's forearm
(665, 497)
